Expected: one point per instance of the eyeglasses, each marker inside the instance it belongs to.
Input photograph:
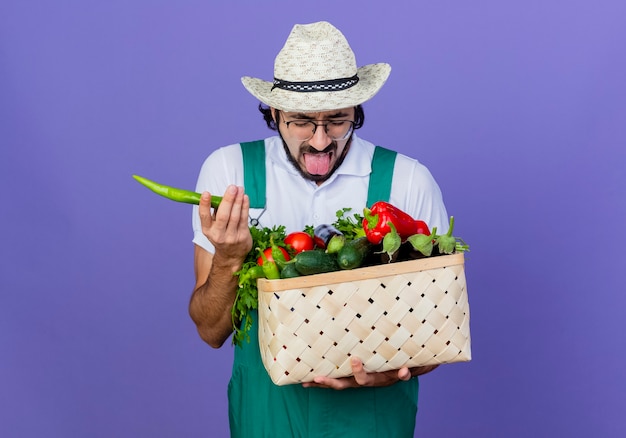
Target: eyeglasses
(304, 130)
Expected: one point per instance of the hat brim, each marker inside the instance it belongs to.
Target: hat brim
(371, 78)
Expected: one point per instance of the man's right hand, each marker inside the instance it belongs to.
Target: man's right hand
(227, 229)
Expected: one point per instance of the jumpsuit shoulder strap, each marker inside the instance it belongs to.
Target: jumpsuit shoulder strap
(254, 172)
(379, 188)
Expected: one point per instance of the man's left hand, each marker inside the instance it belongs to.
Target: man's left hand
(361, 377)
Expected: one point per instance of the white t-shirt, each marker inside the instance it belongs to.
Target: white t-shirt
(295, 202)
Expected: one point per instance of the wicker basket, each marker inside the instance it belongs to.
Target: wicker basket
(411, 314)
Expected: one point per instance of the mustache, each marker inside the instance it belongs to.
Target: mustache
(308, 149)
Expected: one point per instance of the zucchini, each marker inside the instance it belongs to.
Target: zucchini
(315, 261)
(353, 253)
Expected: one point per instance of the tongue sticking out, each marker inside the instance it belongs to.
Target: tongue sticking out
(317, 164)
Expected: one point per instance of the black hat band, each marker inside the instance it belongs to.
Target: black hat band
(307, 87)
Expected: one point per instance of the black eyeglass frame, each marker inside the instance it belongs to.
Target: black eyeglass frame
(325, 125)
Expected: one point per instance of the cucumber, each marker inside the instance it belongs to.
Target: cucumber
(353, 253)
(289, 271)
(315, 261)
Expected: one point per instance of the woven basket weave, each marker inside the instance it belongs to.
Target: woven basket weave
(411, 314)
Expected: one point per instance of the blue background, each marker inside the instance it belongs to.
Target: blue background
(518, 109)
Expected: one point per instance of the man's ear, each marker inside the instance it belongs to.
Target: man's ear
(273, 111)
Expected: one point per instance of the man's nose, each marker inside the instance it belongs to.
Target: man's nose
(320, 139)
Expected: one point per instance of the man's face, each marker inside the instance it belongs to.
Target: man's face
(317, 157)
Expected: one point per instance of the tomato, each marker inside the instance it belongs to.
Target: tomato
(269, 257)
(299, 241)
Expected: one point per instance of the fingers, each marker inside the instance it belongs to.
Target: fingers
(360, 375)
(229, 213)
(330, 383)
(404, 374)
(245, 212)
(225, 223)
(204, 210)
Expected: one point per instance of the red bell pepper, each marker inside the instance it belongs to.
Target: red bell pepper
(376, 218)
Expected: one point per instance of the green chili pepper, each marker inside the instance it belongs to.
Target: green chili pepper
(174, 194)
(279, 254)
(279, 257)
(270, 268)
(252, 273)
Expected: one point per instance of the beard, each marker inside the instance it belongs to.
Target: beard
(308, 149)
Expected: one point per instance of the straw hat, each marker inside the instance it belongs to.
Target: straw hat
(316, 71)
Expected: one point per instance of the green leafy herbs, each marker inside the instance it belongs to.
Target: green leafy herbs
(310, 229)
(247, 292)
(351, 226)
